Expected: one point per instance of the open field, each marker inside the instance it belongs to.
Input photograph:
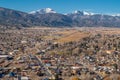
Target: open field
(72, 36)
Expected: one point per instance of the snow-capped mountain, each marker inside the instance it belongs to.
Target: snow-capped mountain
(43, 11)
(78, 13)
(40, 18)
(82, 12)
(116, 15)
(49, 10)
(87, 13)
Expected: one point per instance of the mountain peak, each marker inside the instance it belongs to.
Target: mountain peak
(82, 12)
(43, 11)
(78, 12)
(88, 13)
(116, 15)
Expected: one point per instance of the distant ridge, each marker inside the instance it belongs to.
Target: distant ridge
(48, 17)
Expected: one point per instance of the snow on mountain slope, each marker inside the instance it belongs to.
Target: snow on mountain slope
(83, 12)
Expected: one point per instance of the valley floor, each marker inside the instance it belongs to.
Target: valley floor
(60, 53)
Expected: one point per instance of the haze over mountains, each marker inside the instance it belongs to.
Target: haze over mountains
(48, 17)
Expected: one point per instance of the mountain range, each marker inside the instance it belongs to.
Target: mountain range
(48, 17)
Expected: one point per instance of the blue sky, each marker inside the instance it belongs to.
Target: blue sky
(64, 6)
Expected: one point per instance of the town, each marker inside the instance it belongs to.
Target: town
(43, 53)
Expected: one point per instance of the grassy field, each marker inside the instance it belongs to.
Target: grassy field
(72, 35)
